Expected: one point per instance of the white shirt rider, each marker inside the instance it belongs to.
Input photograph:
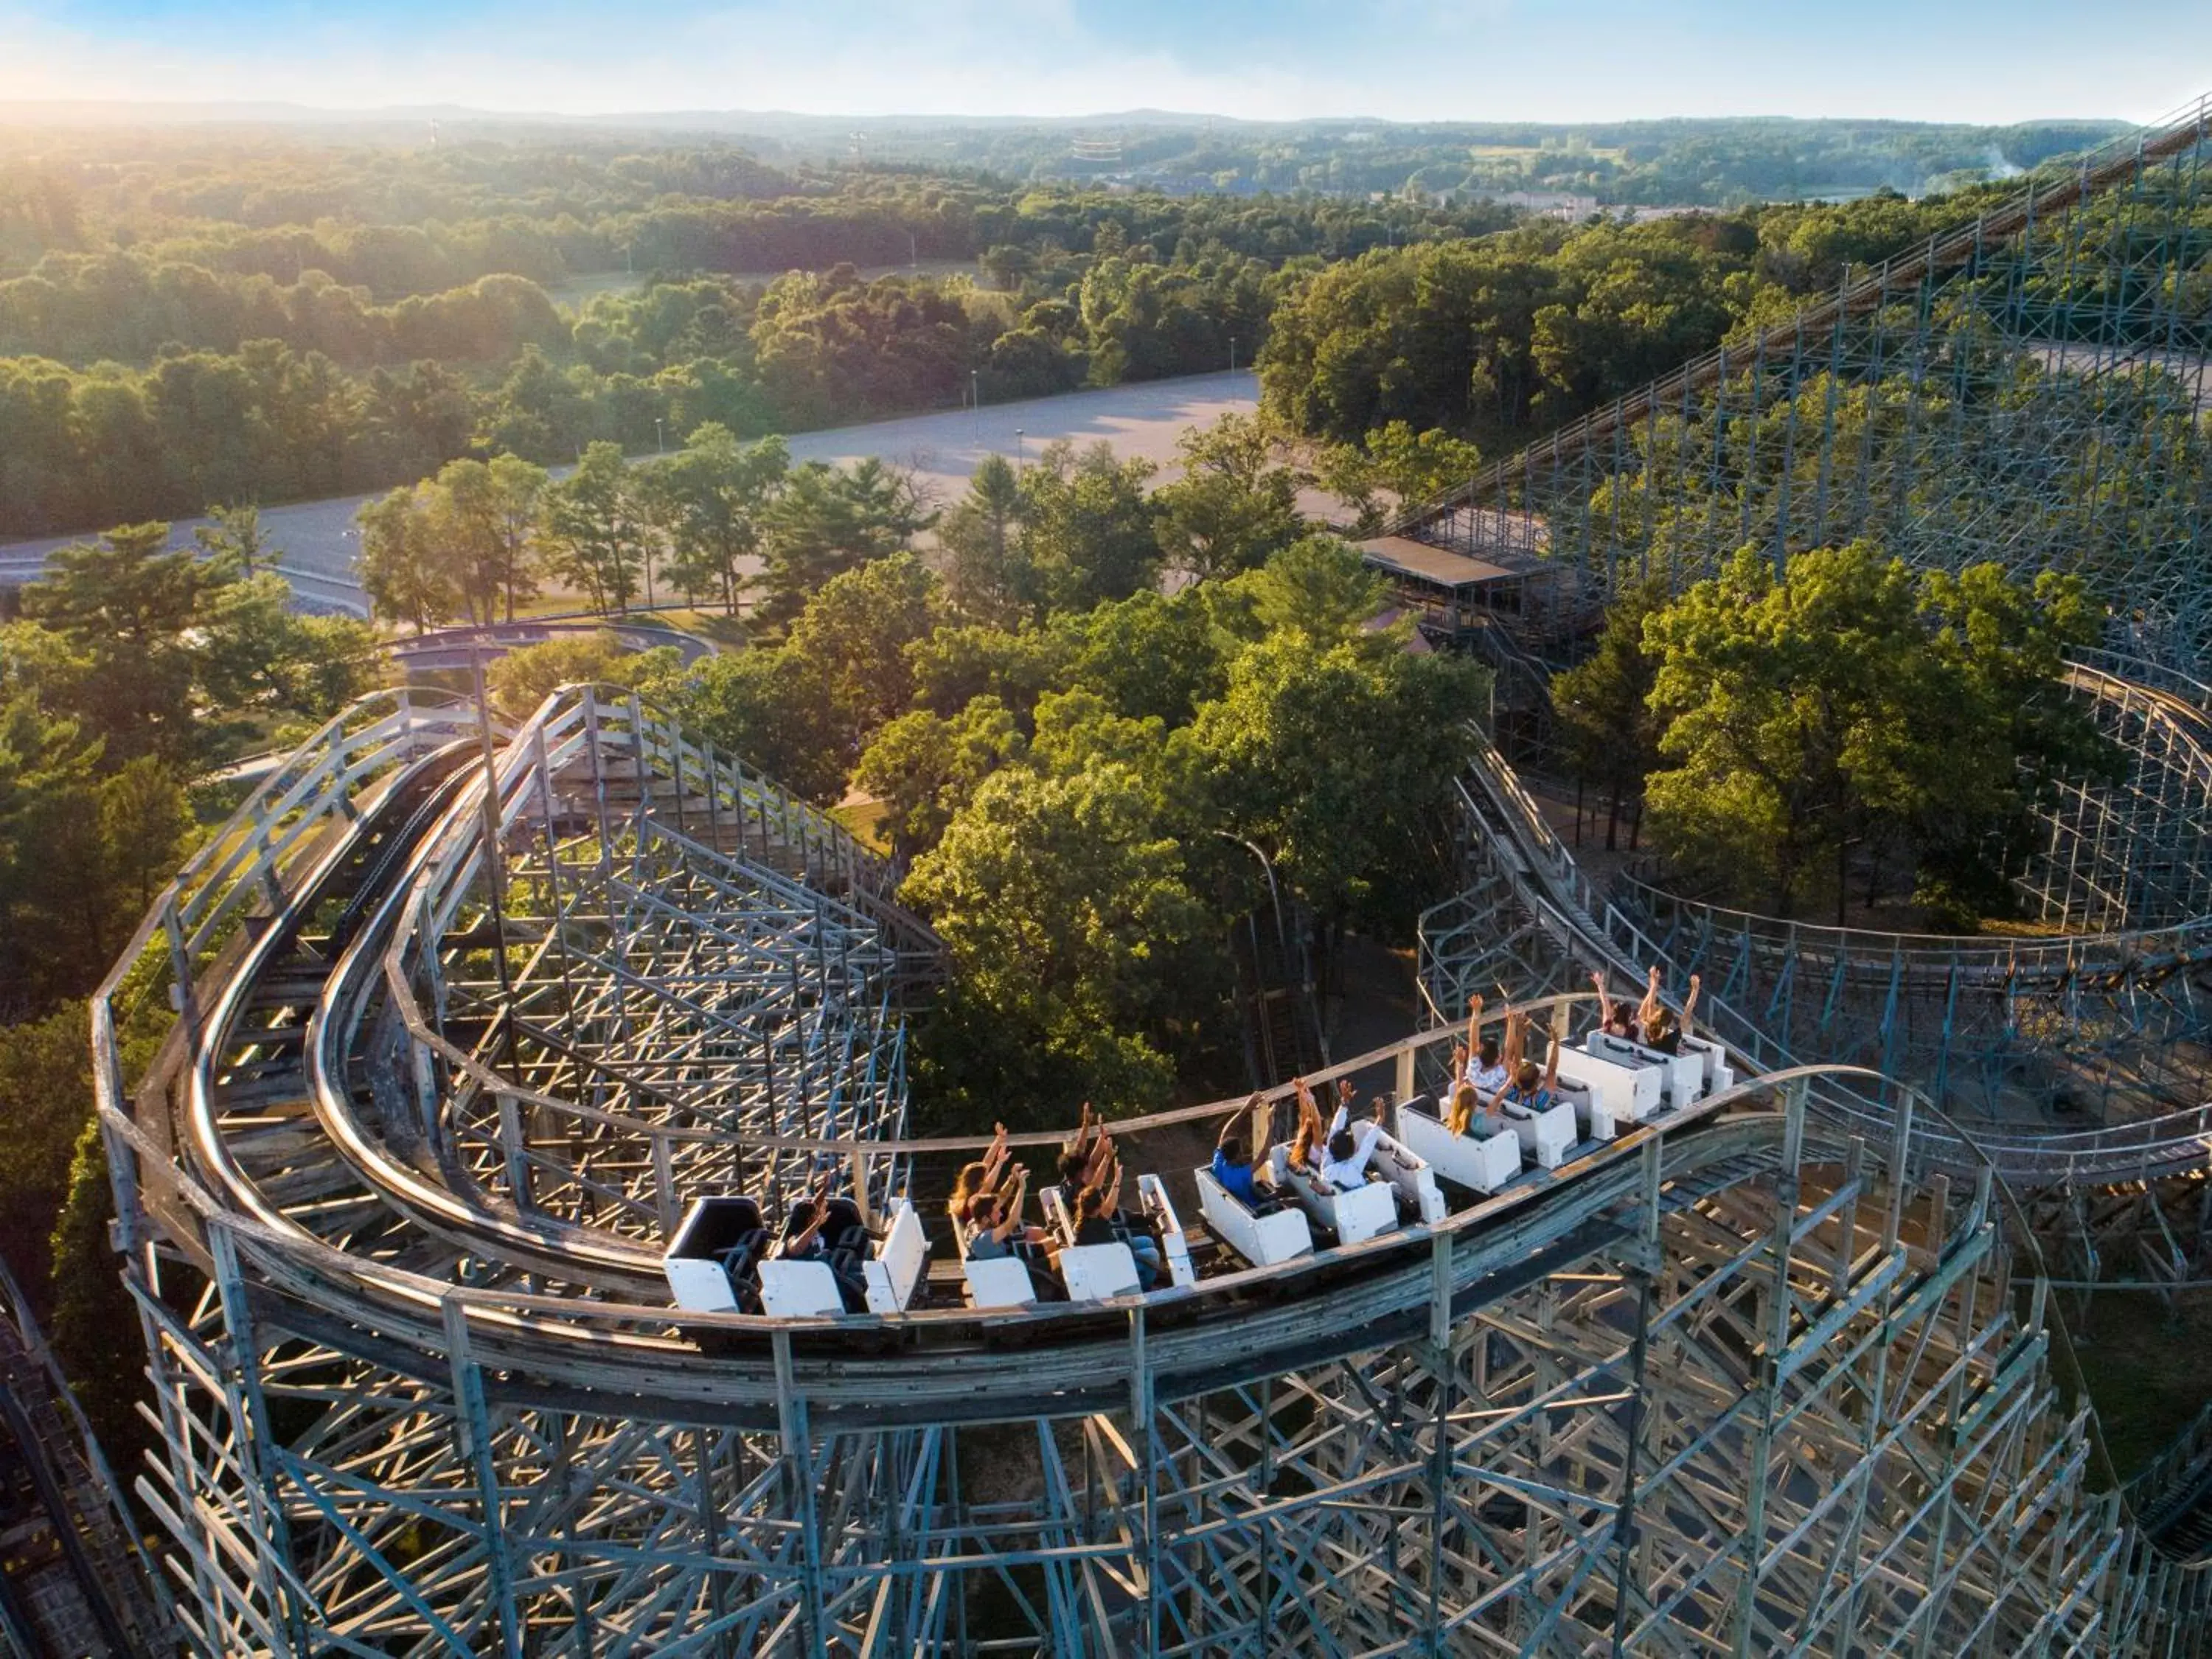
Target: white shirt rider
(1486, 1080)
(1345, 1175)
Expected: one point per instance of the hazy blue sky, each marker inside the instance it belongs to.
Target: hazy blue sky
(1978, 60)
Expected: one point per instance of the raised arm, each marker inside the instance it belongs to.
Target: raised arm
(1605, 1005)
(1256, 1108)
(1516, 1028)
(1011, 1223)
(1551, 1064)
(1102, 1154)
(1690, 1003)
(1475, 1023)
(1651, 1004)
(820, 1198)
(996, 1155)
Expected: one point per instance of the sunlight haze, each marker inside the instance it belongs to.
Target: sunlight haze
(1401, 59)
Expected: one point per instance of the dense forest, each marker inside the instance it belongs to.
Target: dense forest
(204, 319)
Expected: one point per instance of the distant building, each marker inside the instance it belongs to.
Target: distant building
(1545, 204)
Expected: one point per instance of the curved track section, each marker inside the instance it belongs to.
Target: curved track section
(448, 1024)
(1530, 916)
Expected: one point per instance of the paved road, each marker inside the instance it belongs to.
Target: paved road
(318, 538)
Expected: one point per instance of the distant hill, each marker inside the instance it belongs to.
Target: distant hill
(1710, 162)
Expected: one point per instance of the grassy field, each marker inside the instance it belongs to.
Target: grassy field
(865, 818)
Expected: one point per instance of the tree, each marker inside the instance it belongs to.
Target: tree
(827, 520)
(1395, 460)
(1233, 506)
(125, 610)
(771, 708)
(1340, 761)
(238, 536)
(959, 662)
(45, 1101)
(711, 498)
(464, 522)
(47, 788)
(1320, 587)
(1071, 931)
(257, 655)
(986, 568)
(1602, 706)
(330, 661)
(1791, 706)
(399, 566)
(857, 632)
(95, 1329)
(1088, 527)
(1149, 654)
(145, 824)
(924, 767)
(518, 496)
(522, 679)
(2007, 732)
(594, 529)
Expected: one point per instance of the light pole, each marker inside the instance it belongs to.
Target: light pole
(659, 440)
(975, 393)
(1283, 936)
(1018, 449)
(1232, 354)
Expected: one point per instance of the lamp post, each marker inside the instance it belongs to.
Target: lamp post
(1018, 449)
(1282, 934)
(1232, 354)
(659, 438)
(975, 393)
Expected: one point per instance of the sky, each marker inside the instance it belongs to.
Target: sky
(1985, 61)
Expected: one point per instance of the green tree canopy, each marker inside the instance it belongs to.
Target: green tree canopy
(858, 633)
(1849, 702)
(1235, 504)
(1602, 707)
(399, 565)
(771, 708)
(712, 498)
(124, 611)
(1340, 762)
(1063, 904)
(827, 520)
(596, 535)
(924, 767)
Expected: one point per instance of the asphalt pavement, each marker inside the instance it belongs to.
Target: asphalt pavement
(316, 539)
